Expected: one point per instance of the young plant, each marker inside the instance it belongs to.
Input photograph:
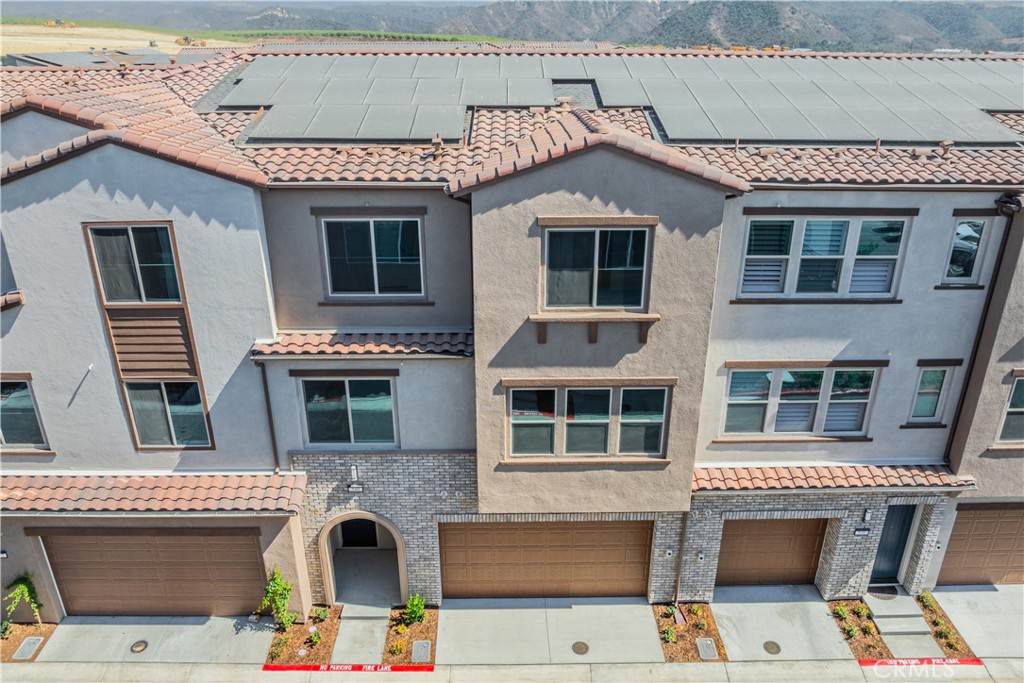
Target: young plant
(322, 613)
(314, 638)
(5, 629)
(862, 611)
(945, 632)
(701, 625)
(850, 630)
(401, 629)
(953, 645)
(277, 649)
(927, 600)
(869, 629)
(415, 609)
(276, 596)
(841, 612)
(669, 634)
(396, 648)
(670, 611)
(22, 588)
(938, 621)
(696, 610)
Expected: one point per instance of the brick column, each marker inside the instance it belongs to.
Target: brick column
(923, 550)
(665, 557)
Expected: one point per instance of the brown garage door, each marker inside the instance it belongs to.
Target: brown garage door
(545, 559)
(760, 551)
(986, 546)
(157, 571)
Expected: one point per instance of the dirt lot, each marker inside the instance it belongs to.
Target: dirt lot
(24, 38)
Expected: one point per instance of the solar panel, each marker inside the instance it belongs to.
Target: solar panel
(526, 92)
(787, 123)
(391, 91)
(344, 91)
(855, 70)
(513, 66)
(848, 95)
(668, 92)
(479, 67)
(760, 94)
(814, 69)
(982, 96)
(605, 67)
(686, 123)
(430, 120)
(394, 66)
(895, 72)
(563, 67)
(893, 95)
(271, 66)
(436, 67)
(737, 122)
(731, 68)
(438, 91)
(773, 70)
(978, 72)
(485, 92)
(285, 121)
(298, 91)
(622, 92)
(714, 93)
(879, 122)
(834, 123)
(648, 67)
(803, 94)
(387, 123)
(352, 66)
(252, 92)
(310, 66)
(336, 122)
(934, 71)
(983, 127)
(1011, 71)
(930, 124)
(938, 97)
(688, 67)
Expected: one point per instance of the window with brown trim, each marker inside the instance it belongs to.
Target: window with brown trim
(135, 263)
(596, 268)
(168, 413)
(20, 426)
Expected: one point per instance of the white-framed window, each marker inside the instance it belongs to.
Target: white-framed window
(963, 266)
(576, 421)
(817, 257)
(930, 396)
(168, 413)
(373, 256)
(827, 402)
(1012, 428)
(20, 426)
(595, 267)
(136, 263)
(349, 411)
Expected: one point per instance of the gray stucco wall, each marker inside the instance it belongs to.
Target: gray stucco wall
(928, 324)
(297, 261)
(508, 275)
(59, 334)
(31, 133)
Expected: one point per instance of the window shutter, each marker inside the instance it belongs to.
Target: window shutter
(874, 276)
(764, 276)
(845, 417)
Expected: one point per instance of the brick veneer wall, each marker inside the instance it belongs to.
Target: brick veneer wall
(844, 569)
(930, 523)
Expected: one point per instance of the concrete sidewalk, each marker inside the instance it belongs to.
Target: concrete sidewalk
(845, 671)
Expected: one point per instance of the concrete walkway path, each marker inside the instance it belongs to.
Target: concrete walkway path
(902, 625)
(367, 586)
(993, 671)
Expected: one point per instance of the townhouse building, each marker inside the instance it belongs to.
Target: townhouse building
(527, 321)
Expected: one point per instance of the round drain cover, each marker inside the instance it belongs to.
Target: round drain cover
(580, 648)
(771, 647)
(138, 646)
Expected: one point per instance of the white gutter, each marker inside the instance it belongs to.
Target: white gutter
(919, 187)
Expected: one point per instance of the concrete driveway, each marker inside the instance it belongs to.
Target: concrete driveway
(170, 639)
(990, 618)
(795, 617)
(543, 630)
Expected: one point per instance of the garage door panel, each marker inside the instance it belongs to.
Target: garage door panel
(770, 551)
(552, 559)
(985, 546)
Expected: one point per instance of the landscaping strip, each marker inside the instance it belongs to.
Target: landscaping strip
(858, 626)
(310, 643)
(17, 633)
(943, 631)
(403, 631)
(679, 640)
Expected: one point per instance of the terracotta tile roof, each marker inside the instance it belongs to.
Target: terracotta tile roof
(329, 343)
(15, 297)
(826, 477)
(576, 131)
(1014, 121)
(153, 493)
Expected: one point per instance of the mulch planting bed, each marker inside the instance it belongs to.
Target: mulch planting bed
(858, 627)
(18, 633)
(684, 647)
(296, 646)
(943, 630)
(398, 646)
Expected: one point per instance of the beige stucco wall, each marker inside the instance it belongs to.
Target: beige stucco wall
(297, 261)
(280, 540)
(998, 468)
(507, 279)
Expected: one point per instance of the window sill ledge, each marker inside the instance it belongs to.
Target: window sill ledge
(41, 452)
(1006, 447)
(583, 461)
(785, 301)
(799, 439)
(375, 302)
(594, 320)
(923, 425)
(970, 288)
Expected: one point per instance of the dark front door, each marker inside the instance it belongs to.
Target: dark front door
(894, 541)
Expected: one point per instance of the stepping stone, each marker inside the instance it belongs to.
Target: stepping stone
(913, 646)
(28, 647)
(902, 626)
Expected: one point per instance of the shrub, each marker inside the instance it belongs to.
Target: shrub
(696, 610)
(315, 637)
(277, 649)
(850, 630)
(701, 625)
(396, 648)
(953, 645)
(276, 596)
(869, 630)
(401, 629)
(938, 621)
(841, 613)
(927, 600)
(415, 609)
(5, 629)
(945, 632)
(862, 611)
(22, 588)
(322, 613)
(669, 634)
(670, 611)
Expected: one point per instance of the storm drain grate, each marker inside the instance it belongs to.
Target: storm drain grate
(771, 647)
(138, 646)
(580, 648)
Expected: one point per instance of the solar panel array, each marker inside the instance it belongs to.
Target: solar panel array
(699, 99)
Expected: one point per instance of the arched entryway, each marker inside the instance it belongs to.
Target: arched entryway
(363, 560)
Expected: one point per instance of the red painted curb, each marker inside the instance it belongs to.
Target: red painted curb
(349, 667)
(928, 661)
